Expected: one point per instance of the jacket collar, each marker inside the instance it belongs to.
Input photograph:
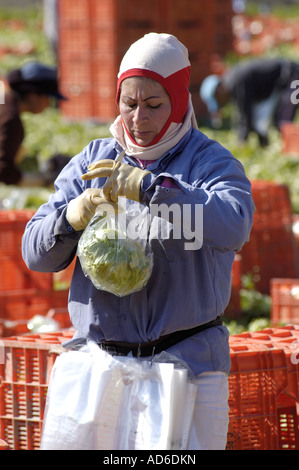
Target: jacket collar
(161, 162)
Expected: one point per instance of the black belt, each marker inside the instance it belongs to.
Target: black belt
(157, 346)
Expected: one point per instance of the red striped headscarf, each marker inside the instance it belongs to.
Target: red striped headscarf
(163, 58)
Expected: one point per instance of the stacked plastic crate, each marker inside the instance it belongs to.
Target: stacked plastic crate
(25, 366)
(23, 293)
(284, 301)
(264, 391)
(263, 385)
(290, 139)
(271, 251)
(93, 37)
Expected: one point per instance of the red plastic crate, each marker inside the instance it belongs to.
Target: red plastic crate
(271, 251)
(290, 138)
(286, 333)
(13, 272)
(3, 445)
(258, 375)
(273, 204)
(288, 418)
(284, 300)
(25, 293)
(19, 306)
(74, 10)
(288, 426)
(24, 377)
(109, 27)
(285, 339)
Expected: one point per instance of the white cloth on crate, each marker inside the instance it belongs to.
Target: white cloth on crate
(99, 402)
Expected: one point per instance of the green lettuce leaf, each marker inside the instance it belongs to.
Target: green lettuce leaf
(112, 261)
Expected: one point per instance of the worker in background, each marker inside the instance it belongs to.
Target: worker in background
(28, 89)
(260, 89)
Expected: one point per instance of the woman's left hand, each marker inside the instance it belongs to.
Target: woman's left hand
(122, 179)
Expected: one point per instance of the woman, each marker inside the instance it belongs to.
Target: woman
(29, 89)
(167, 161)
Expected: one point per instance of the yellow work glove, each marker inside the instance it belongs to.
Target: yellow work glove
(122, 179)
(81, 209)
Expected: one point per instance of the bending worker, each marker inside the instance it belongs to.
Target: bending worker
(261, 91)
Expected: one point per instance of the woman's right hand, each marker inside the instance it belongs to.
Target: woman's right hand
(81, 209)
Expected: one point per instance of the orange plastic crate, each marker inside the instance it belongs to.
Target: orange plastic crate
(271, 251)
(258, 375)
(113, 25)
(14, 274)
(3, 445)
(286, 339)
(273, 204)
(284, 300)
(288, 419)
(19, 306)
(26, 365)
(287, 333)
(290, 138)
(288, 427)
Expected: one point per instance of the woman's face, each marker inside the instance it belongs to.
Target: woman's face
(145, 107)
(36, 103)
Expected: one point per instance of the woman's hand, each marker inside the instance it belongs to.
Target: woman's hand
(81, 209)
(122, 179)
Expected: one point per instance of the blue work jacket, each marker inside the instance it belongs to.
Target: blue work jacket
(191, 279)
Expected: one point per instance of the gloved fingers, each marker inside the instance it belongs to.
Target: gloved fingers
(108, 192)
(97, 173)
(88, 213)
(91, 198)
(89, 193)
(81, 209)
(95, 197)
(105, 163)
(101, 169)
(108, 206)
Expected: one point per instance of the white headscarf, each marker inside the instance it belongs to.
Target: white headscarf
(163, 58)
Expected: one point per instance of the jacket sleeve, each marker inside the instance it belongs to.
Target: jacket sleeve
(215, 196)
(49, 242)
